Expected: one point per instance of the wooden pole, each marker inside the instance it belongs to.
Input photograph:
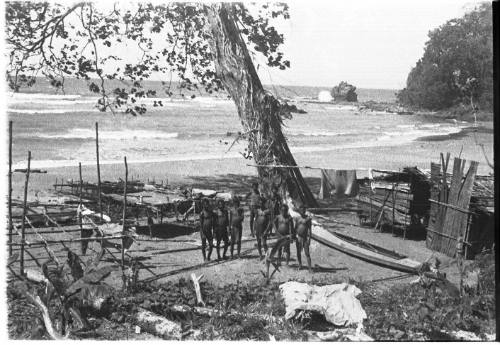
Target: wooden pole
(82, 246)
(394, 192)
(98, 168)
(10, 187)
(24, 214)
(371, 202)
(124, 210)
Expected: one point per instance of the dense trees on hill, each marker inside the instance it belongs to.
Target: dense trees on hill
(457, 65)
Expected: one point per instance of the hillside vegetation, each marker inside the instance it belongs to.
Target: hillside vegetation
(456, 71)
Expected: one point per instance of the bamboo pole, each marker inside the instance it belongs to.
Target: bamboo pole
(83, 247)
(124, 210)
(10, 187)
(98, 168)
(318, 168)
(371, 202)
(73, 240)
(60, 231)
(25, 200)
(456, 208)
(393, 207)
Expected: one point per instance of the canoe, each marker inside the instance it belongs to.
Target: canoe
(375, 255)
(330, 240)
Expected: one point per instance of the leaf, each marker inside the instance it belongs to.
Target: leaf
(75, 265)
(92, 263)
(99, 274)
(95, 295)
(94, 277)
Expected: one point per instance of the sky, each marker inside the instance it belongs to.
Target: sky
(370, 44)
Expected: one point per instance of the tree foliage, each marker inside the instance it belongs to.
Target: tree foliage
(167, 41)
(457, 65)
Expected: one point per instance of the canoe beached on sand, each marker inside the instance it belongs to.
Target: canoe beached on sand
(358, 250)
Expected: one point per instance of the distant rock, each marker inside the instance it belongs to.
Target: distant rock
(344, 92)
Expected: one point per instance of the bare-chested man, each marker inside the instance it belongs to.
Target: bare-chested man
(236, 217)
(206, 229)
(284, 228)
(221, 228)
(303, 230)
(254, 196)
(274, 203)
(262, 226)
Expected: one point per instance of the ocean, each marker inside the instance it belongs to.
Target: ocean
(59, 129)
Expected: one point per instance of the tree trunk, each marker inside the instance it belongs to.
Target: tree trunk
(259, 111)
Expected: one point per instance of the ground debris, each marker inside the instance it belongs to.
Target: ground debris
(409, 312)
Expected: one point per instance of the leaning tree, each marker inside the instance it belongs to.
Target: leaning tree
(203, 46)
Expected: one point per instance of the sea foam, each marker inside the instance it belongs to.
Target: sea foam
(127, 134)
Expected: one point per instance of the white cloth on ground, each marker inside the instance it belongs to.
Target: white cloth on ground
(337, 302)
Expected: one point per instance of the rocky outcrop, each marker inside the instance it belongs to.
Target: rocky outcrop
(344, 92)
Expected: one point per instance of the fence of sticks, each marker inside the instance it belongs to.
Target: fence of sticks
(85, 218)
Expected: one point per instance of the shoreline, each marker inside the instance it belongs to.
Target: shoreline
(415, 153)
(483, 128)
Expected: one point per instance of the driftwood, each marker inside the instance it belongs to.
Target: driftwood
(158, 325)
(196, 282)
(339, 335)
(212, 312)
(53, 333)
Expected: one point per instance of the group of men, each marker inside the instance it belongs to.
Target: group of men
(266, 215)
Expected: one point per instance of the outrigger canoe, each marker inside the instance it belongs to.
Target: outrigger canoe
(378, 257)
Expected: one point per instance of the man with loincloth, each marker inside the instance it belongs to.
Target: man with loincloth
(236, 217)
(284, 228)
(262, 226)
(275, 203)
(254, 196)
(221, 228)
(206, 229)
(303, 225)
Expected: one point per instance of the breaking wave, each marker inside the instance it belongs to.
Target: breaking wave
(127, 134)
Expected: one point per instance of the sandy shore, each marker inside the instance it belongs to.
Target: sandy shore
(417, 153)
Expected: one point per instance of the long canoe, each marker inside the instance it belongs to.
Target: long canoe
(328, 239)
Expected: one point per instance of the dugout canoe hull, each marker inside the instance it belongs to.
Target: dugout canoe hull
(328, 239)
(166, 230)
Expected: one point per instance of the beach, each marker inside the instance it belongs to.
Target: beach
(416, 153)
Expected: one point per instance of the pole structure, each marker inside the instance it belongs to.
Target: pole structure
(98, 168)
(10, 188)
(24, 213)
(83, 245)
(124, 211)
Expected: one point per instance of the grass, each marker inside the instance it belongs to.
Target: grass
(403, 312)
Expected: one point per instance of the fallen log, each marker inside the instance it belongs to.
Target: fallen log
(350, 334)
(196, 282)
(212, 312)
(52, 332)
(158, 325)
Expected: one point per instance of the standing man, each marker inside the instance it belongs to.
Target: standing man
(254, 196)
(206, 229)
(262, 225)
(236, 217)
(221, 228)
(275, 202)
(284, 228)
(303, 225)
